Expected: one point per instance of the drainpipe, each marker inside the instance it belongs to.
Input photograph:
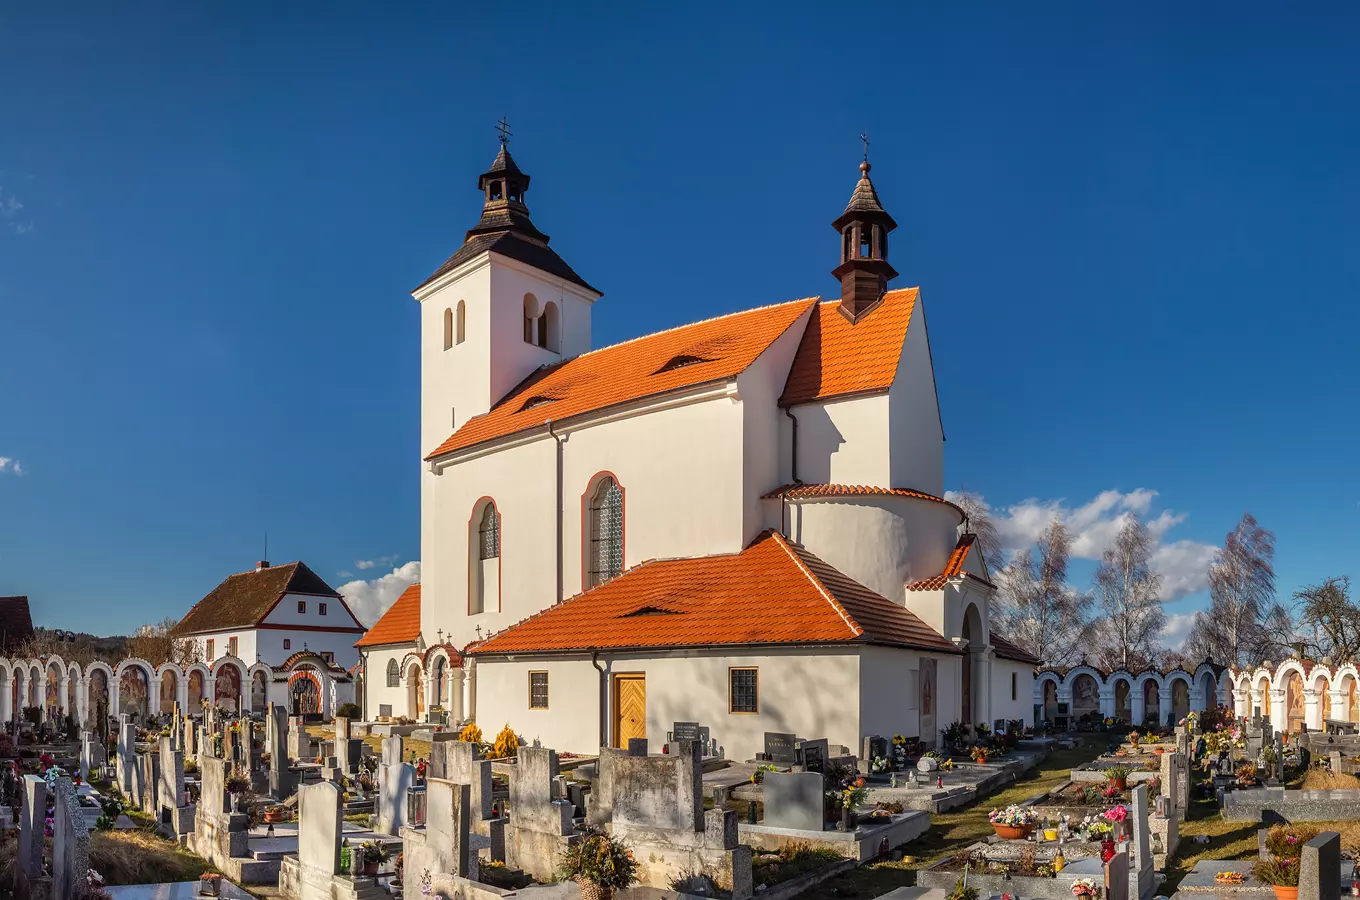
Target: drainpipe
(604, 697)
(558, 597)
(793, 471)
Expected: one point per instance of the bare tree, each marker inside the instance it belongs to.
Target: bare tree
(43, 643)
(157, 645)
(1128, 593)
(979, 522)
(1329, 621)
(1035, 606)
(1236, 628)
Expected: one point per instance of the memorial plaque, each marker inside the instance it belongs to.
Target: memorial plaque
(684, 731)
(813, 754)
(779, 747)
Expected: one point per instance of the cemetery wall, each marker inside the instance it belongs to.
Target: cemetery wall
(807, 692)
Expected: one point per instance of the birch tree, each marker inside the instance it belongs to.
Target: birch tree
(1329, 621)
(1036, 607)
(1128, 595)
(979, 522)
(1241, 625)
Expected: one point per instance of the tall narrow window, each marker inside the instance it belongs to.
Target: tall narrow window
(489, 534)
(231, 647)
(448, 328)
(393, 673)
(211, 652)
(550, 328)
(460, 325)
(1013, 686)
(606, 532)
(322, 609)
(743, 690)
(538, 690)
(287, 644)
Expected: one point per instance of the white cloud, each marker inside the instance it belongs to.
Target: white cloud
(1183, 564)
(343, 574)
(1177, 629)
(370, 599)
(365, 564)
(9, 213)
(10, 466)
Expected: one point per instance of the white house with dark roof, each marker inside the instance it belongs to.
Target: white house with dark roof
(738, 521)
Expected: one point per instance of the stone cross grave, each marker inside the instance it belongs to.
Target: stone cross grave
(281, 781)
(541, 827)
(794, 800)
(1175, 778)
(127, 755)
(91, 754)
(32, 821)
(299, 741)
(460, 763)
(442, 848)
(173, 806)
(1320, 868)
(321, 821)
(70, 841)
(1142, 880)
(395, 779)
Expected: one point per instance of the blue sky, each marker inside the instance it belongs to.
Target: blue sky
(1135, 232)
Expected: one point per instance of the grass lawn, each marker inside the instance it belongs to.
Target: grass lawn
(952, 831)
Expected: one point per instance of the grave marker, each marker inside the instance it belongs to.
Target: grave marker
(1320, 868)
(794, 800)
(779, 747)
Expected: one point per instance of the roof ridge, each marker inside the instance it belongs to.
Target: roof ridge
(740, 312)
(817, 582)
(837, 301)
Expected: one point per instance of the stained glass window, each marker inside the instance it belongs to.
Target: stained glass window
(393, 673)
(489, 533)
(606, 532)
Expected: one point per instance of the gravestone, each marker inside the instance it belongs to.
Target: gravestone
(348, 752)
(176, 733)
(794, 800)
(460, 763)
(541, 827)
(1117, 877)
(873, 747)
(1183, 740)
(395, 778)
(299, 741)
(191, 741)
(32, 821)
(127, 756)
(342, 729)
(282, 782)
(1175, 778)
(70, 841)
(637, 746)
(443, 845)
(91, 755)
(1320, 868)
(173, 806)
(685, 731)
(779, 748)
(321, 821)
(149, 782)
(813, 754)
(1142, 880)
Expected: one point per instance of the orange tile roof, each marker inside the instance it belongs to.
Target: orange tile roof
(771, 593)
(399, 625)
(1006, 650)
(952, 568)
(682, 357)
(837, 357)
(800, 491)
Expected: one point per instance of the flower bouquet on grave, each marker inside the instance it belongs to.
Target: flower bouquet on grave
(980, 754)
(1118, 776)
(1286, 841)
(1281, 874)
(599, 865)
(1085, 887)
(1229, 878)
(375, 853)
(1014, 822)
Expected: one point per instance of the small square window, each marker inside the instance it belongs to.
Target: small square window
(287, 644)
(323, 609)
(744, 690)
(302, 606)
(538, 690)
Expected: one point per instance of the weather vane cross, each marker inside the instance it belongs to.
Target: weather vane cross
(504, 128)
(864, 136)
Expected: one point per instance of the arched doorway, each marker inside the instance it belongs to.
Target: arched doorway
(1152, 703)
(304, 694)
(1050, 699)
(227, 688)
(1180, 699)
(1264, 687)
(1085, 696)
(133, 692)
(438, 679)
(1352, 701)
(258, 690)
(972, 633)
(196, 691)
(97, 699)
(415, 692)
(1293, 695)
(52, 694)
(169, 691)
(1208, 689)
(1123, 702)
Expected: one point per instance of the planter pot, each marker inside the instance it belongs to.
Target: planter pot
(1120, 784)
(1050, 834)
(1285, 893)
(370, 867)
(592, 891)
(1012, 832)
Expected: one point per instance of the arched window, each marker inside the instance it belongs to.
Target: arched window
(549, 328)
(532, 324)
(393, 673)
(489, 534)
(864, 247)
(460, 325)
(606, 532)
(448, 328)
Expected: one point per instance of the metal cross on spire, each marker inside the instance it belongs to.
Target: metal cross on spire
(504, 128)
(865, 137)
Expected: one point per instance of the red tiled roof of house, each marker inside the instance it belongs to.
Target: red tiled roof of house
(771, 593)
(243, 599)
(800, 491)
(682, 357)
(1006, 650)
(837, 357)
(399, 625)
(952, 568)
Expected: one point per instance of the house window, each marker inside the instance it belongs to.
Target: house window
(393, 673)
(323, 609)
(606, 532)
(328, 656)
(302, 606)
(1013, 685)
(231, 647)
(489, 534)
(212, 649)
(538, 690)
(744, 690)
(287, 644)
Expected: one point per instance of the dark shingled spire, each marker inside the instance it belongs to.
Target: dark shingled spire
(864, 272)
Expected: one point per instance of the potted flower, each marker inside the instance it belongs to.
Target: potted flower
(1118, 776)
(210, 884)
(1085, 887)
(1134, 738)
(276, 814)
(981, 754)
(1012, 823)
(1286, 841)
(375, 853)
(1281, 874)
(1116, 816)
(599, 865)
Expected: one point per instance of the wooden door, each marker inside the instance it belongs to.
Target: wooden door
(630, 708)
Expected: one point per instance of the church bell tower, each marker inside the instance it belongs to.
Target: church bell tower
(864, 271)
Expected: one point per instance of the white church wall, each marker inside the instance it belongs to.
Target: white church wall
(890, 697)
(512, 357)
(1012, 690)
(883, 542)
(376, 690)
(811, 693)
(767, 451)
(455, 382)
(845, 441)
(917, 441)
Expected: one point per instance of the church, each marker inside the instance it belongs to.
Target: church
(738, 522)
